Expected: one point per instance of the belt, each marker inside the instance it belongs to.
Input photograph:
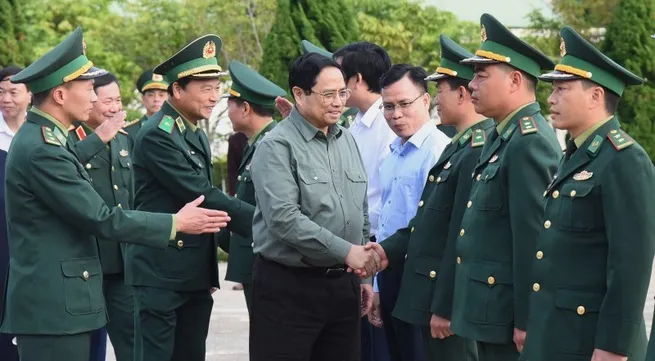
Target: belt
(335, 271)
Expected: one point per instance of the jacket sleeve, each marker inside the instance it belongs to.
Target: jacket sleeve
(169, 165)
(88, 147)
(58, 180)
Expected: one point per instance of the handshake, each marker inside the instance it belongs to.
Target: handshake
(367, 260)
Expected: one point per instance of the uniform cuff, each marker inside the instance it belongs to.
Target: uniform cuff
(173, 229)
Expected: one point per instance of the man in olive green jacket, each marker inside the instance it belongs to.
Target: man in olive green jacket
(592, 264)
(54, 295)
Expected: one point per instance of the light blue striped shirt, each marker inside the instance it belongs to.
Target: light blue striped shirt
(402, 177)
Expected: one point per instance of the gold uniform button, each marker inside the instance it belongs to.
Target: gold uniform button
(120, 205)
(433, 274)
(469, 204)
(180, 243)
(239, 178)
(438, 179)
(85, 274)
(478, 177)
(540, 255)
(461, 233)
(555, 194)
(547, 224)
(412, 230)
(491, 280)
(88, 166)
(420, 204)
(459, 260)
(431, 178)
(581, 310)
(536, 287)
(115, 187)
(573, 193)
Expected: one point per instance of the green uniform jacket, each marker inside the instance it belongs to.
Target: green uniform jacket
(593, 260)
(110, 169)
(132, 129)
(496, 242)
(55, 278)
(172, 166)
(429, 239)
(239, 266)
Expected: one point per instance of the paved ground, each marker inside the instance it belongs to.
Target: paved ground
(228, 332)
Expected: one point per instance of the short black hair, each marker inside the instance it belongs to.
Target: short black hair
(611, 98)
(260, 110)
(398, 71)
(455, 82)
(104, 80)
(305, 70)
(365, 58)
(182, 82)
(9, 71)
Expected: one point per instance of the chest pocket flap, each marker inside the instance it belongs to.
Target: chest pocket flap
(312, 176)
(577, 189)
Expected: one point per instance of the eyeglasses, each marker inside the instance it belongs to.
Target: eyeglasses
(389, 108)
(329, 96)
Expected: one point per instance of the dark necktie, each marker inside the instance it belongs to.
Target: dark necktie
(570, 149)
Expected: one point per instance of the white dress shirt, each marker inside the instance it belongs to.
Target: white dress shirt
(6, 134)
(373, 137)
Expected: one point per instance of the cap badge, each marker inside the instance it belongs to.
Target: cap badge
(157, 77)
(483, 33)
(209, 51)
(562, 47)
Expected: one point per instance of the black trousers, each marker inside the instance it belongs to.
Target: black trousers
(405, 341)
(300, 315)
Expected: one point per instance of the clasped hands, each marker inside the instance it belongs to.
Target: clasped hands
(365, 261)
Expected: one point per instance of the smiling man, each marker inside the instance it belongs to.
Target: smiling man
(172, 163)
(153, 89)
(14, 100)
(592, 264)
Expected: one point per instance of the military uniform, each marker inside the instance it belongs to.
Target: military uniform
(172, 165)
(592, 264)
(426, 245)
(503, 216)
(110, 168)
(148, 80)
(251, 87)
(54, 292)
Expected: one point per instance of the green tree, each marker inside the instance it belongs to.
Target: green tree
(330, 24)
(12, 33)
(409, 30)
(628, 42)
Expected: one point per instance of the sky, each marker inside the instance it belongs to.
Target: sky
(512, 13)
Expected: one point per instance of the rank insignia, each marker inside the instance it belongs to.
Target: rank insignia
(479, 137)
(528, 126)
(595, 144)
(494, 158)
(620, 139)
(180, 124)
(81, 134)
(49, 137)
(582, 176)
(123, 153)
(447, 166)
(209, 50)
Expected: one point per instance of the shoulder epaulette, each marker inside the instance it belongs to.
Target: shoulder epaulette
(166, 124)
(180, 124)
(509, 131)
(131, 123)
(465, 137)
(528, 125)
(595, 144)
(479, 137)
(620, 139)
(49, 136)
